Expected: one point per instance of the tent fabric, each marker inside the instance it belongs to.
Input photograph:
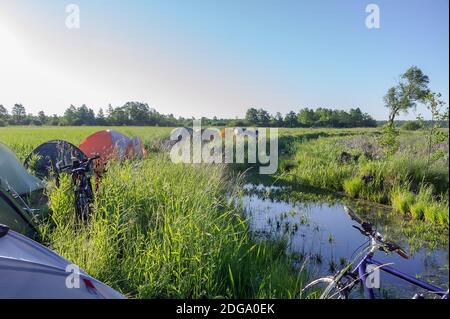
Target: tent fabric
(13, 174)
(107, 144)
(136, 148)
(43, 160)
(15, 217)
(111, 144)
(30, 270)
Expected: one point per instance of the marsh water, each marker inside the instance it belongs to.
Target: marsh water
(320, 237)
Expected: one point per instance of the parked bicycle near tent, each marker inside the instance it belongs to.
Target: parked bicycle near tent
(341, 285)
(82, 186)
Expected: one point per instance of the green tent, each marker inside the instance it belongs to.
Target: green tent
(15, 217)
(14, 175)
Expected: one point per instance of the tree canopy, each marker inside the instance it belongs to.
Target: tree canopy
(137, 113)
(412, 88)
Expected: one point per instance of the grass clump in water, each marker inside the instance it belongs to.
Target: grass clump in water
(353, 186)
(421, 206)
(402, 199)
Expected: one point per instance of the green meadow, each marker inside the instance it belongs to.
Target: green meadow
(161, 230)
(354, 164)
(168, 230)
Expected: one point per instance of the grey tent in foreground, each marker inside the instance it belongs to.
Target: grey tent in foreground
(14, 175)
(29, 270)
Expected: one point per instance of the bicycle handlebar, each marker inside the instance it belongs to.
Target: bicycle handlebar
(368, 230)
(85, 162)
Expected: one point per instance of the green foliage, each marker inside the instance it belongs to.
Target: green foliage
(413, 87)
(437, 213)
(290, 120)
(389, 139)
(371, 176)
(322, 117)
(353, 186)
(412, 126)
(402, 199)
(422, 201)
(18, 114)
(141, 114)
(4, 116)
(436, 135)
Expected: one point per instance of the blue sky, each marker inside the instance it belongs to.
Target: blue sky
(198, 57)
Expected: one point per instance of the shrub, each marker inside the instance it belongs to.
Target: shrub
(412, 126)
(443, 216)
(402, 199)
(431, 212)
(353, 186)
(437, 213)
(423, 199)
(418, 210)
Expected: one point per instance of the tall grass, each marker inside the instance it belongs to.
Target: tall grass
(160, 229)
(380, 179)
(164, 230)
(422, 206)
(402, 199)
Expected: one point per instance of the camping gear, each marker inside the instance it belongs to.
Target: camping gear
(107, 144)
(111, 144)
(13, 174)
(30, 270)
(15, 216)
(82, 186)
(45, 158)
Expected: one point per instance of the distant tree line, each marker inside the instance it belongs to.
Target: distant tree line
(414, 125)
(320, 117)
(136, 113)
(131, 113)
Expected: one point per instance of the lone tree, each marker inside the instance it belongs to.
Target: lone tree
(3, 113)
(18, 114)
(412, 88)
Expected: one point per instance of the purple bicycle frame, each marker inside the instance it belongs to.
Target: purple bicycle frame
(360, 270)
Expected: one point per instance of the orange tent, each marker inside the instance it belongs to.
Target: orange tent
(111, 144)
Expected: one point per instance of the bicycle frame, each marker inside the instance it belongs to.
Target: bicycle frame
(361, 271)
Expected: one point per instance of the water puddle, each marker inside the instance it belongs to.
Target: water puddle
(322, 237)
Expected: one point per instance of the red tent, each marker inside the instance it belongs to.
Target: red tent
(111, 144)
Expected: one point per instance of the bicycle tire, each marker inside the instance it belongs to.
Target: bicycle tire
(327, 287)
(82, 205)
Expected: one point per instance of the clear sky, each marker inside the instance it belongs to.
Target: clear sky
(206, 58)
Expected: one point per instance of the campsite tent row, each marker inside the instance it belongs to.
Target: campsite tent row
(17, 182)
(108, 144)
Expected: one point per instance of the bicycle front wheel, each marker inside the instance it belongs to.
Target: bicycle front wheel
(324, 288)
(82, 205)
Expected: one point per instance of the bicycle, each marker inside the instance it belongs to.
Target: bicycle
(342, 284)
(82, 186)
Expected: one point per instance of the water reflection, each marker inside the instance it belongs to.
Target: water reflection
(322, 237)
